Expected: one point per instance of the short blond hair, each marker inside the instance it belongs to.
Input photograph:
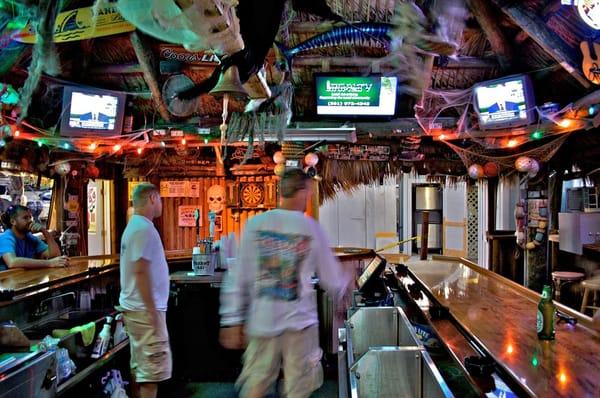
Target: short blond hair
(142, 192)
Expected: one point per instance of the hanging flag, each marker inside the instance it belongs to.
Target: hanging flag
(80, 24)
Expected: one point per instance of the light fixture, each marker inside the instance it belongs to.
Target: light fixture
(162, 143)
(66, 145)
(340, 134)
(183, 141)
(117, 147)
(512, 143)
(93, 146)
(565, 123)
(537, 134)
(139, 150)
(442, 137)
(17, 133)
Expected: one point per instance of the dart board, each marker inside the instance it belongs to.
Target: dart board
(252, 194)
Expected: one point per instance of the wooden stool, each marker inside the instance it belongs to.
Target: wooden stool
(589, 285)
(559, 278)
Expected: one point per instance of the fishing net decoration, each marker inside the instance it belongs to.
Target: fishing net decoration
(477, 154)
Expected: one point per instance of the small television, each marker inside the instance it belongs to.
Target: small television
(504, 103)
(367, 279)
(91, 111)
(345, 95)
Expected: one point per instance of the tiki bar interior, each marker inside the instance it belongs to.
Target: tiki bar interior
(450, 151)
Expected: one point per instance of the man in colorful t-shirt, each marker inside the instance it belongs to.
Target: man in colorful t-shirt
(270, 297)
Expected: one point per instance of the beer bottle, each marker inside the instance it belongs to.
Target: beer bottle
(545, 315)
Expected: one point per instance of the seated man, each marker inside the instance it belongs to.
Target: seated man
(19, 248)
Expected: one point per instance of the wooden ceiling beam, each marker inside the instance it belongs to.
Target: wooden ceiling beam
(545, 38)
(489, 23)
(147, 62)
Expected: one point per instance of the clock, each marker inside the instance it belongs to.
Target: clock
(589, 11)
(252, 194)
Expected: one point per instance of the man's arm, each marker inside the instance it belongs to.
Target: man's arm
(53, 249)
(12, 261)
(141, 270)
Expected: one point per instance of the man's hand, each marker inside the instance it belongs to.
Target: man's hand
(233, 337)
(60, 261)
(154, 318)
(36, 227)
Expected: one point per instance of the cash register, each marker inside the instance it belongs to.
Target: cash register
(372, 290)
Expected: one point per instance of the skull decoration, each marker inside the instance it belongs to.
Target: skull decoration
(216, 198)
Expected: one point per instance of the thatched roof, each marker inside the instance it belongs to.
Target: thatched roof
(494, 42)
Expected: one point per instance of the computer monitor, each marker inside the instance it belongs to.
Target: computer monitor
(371, 273)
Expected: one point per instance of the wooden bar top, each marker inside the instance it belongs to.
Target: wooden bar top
(19, 279)
(501, 316)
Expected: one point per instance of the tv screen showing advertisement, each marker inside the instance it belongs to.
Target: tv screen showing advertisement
(339, 95)
(88, 111)
(506, 102)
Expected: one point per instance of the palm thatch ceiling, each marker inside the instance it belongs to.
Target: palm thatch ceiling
(499, 38)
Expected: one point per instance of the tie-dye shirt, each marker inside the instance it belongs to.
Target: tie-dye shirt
(270, 286)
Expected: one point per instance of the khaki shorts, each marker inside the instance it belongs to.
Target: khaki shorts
(150, 351)
(301, 356)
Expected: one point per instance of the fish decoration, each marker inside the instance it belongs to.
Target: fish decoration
(350, 34)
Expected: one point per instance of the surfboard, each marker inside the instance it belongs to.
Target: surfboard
(78, 24)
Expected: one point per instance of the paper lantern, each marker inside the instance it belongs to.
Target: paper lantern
(311, 159)
(278, 157)
(279, 169)
(534, 168)
(490, 169)
(62, 169)
(475, 171)
(523, 164)
(92, 171)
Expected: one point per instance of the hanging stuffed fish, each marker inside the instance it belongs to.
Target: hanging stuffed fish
(351, 34)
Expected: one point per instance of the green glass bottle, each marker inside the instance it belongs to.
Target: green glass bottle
(545, 315)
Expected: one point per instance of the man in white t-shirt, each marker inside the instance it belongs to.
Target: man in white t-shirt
(269, 297)
(145, 292)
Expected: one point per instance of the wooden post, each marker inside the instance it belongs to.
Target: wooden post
(424, 235)
(146, 60)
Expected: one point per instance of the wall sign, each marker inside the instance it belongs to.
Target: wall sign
(173, 189)
(379, 153)
(186, 215)
(177, 53)
(589, 11)
(92, 201)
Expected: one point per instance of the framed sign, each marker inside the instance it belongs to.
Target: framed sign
(186, 215)
(92, 203)
(173, 189)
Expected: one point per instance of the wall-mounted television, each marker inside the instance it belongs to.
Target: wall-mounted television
(91, 111)
(353, 95)
(504, 103)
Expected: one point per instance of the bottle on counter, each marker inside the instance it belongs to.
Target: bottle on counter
(545, 315)
(103, 340)
(120, 333)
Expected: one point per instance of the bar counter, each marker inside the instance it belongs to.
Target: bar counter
(501, 317)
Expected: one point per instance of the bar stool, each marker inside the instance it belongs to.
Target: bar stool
(589, 285)
(560, 278)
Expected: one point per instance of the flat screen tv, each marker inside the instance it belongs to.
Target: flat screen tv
(349, 95)
(504, 103)
(372, 271)
(91, 111)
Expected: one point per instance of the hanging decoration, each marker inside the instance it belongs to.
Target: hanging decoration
(62, 168)
(278, 157)
(475, 171)
(215, 196)
(311, 159)
(490, 169)
(589, 11)
(523, 164)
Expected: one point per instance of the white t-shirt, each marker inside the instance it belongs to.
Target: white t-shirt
(269, 288)
(141, 240)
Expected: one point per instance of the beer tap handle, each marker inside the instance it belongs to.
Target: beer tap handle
(197, 219)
